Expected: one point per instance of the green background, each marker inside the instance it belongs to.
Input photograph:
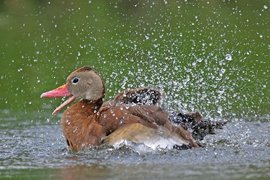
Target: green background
(211, 56)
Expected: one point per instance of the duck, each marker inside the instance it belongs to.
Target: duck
(133, 116)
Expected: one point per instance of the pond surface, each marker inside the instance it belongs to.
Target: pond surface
(38, 150)
(212, 56)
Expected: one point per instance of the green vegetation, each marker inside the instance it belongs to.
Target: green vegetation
(213, 56)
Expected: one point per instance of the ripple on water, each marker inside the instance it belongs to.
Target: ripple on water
(241, 149)
(43, 145)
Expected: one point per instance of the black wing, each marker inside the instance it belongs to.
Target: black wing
(140, 96)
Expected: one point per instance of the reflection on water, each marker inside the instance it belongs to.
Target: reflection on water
(241, 149)
(164, 171)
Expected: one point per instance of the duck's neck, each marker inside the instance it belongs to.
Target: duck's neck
(90, 106)
(79, 124)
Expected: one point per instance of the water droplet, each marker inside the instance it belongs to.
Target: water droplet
(188, 70)
(68, 122)
(194, 63)
(199, 60)
(228, 57)
(222, 71)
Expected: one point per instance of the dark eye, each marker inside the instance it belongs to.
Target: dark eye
(75, 80)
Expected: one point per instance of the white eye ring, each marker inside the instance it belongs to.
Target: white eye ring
(75, 80)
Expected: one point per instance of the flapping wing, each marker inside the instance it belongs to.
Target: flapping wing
(140, 96)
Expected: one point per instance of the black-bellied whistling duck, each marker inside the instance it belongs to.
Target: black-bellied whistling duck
(134, 115)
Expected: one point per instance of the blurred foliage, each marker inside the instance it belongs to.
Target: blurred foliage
(213, 56)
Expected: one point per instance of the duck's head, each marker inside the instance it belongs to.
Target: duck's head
(83, 83)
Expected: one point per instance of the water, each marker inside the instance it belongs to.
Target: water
(38, 149)
(211, 56)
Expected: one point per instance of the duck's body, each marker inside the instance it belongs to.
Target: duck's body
(134, 115)
(88, 123)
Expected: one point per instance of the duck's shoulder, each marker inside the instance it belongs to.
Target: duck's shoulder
(140, 96)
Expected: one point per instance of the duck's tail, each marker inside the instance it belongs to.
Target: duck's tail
(195, 123)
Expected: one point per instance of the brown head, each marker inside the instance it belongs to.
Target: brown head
(83, 83)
